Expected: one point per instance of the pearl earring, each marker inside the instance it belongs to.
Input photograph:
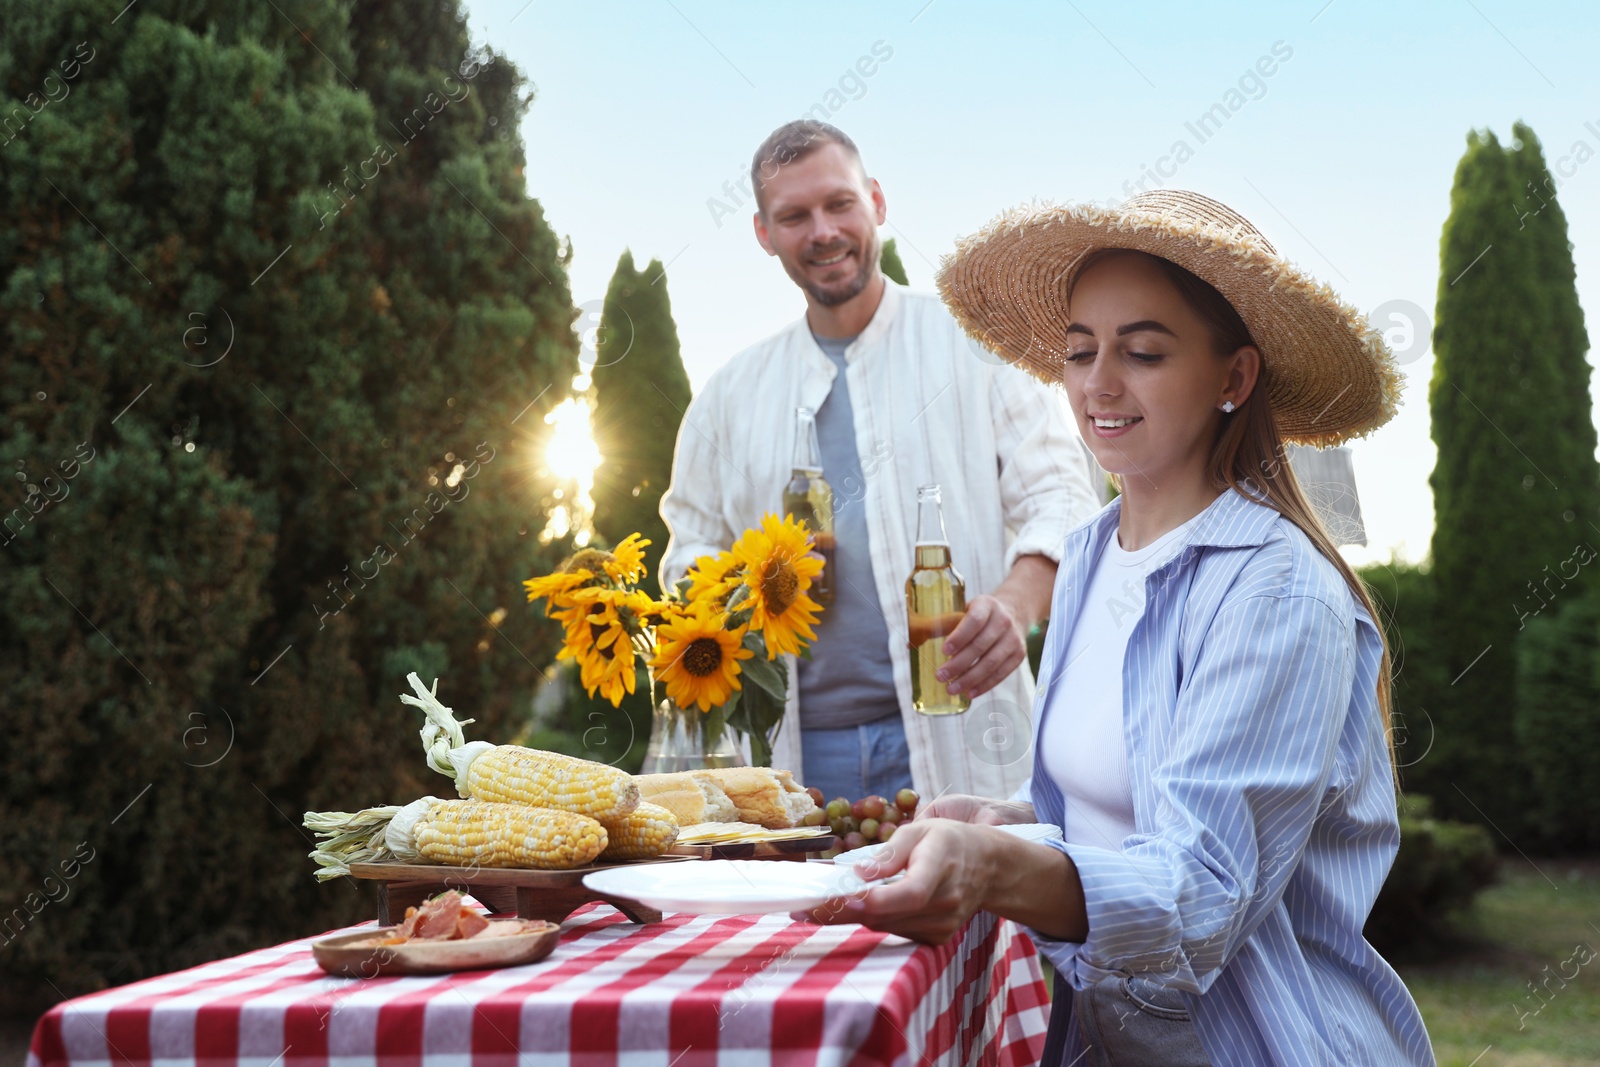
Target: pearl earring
(1227, 405)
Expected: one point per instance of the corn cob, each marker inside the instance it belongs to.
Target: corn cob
(648, 830)
(461, 833)
(479, 833)
(515, 775)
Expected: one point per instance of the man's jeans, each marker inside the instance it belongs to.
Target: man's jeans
(857, 761)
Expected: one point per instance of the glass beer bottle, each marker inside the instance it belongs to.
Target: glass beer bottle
(809, 499)
(936, 600)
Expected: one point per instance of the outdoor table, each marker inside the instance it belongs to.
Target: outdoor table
(689, 990)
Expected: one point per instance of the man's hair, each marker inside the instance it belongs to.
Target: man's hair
(794, 141)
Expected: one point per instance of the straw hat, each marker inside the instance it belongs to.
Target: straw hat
(1332, 375)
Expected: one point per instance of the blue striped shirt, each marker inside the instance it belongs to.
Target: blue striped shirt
(1262, 794)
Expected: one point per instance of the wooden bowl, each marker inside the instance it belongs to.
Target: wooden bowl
(507, 943)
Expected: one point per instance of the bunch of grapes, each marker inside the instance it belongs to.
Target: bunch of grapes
(863, 822)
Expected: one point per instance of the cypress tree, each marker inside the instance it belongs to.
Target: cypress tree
(641, 392)
(276, 310)
(1556, 327)
(1557, 714)
(889, 260)
(1515, 478)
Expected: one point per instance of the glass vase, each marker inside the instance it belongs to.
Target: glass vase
(678, 740)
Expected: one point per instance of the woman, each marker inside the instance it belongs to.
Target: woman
(1211, 731)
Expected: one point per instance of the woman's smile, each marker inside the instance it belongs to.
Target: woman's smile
(1109, 425)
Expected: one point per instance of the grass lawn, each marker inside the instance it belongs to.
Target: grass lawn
(1473, 998)
(1523, 930)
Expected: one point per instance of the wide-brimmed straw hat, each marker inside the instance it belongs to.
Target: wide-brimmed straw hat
(1332, 377)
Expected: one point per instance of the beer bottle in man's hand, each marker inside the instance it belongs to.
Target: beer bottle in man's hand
(936, 600)
(810, 500)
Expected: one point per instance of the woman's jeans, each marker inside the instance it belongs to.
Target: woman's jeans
(1121, 1022)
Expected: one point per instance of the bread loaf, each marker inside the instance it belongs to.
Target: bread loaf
(690, 798)
(760, 795)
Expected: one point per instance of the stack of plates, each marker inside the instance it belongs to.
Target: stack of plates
(728, 887)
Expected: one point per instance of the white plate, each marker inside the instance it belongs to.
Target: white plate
(1028, 831)
(728, 887)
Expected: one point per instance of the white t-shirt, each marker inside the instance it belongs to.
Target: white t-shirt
(1082, 734)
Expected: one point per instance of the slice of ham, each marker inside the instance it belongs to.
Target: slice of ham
(444, 918)
(469, 923)
(438, 918)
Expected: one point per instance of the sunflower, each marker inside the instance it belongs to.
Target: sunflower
(778, 568)
(599, 641)
(698, 659)
(612, 671)
(626, 562)
(713, 578)
(556, 588)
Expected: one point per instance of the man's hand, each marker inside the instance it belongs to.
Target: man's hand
(984, 647)
(992, 639)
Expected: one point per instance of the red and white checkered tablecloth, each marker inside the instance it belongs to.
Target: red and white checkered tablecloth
(690, 991)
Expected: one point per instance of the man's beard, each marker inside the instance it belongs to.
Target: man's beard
(834, 293)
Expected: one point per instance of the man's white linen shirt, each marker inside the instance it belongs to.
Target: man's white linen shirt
(930, 405)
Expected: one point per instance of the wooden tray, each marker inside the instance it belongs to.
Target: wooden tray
(551, 895)
(528, 894)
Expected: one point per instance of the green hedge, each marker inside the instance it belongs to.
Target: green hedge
(1440, 867)
(1558, 722)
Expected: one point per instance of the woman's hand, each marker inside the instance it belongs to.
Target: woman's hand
(952, 869)
(947, 867)
(978, 810)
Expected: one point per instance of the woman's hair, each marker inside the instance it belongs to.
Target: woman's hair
(1249, 448)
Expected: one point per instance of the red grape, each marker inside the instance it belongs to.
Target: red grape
(853, 841)
(887, 830)
(816, 796)
(908, 800)
(872, 807)
(858, 809)
(892, 814)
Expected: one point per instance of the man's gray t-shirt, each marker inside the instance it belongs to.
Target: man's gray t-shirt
(849, 678)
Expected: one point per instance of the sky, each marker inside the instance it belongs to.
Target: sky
(646, 115)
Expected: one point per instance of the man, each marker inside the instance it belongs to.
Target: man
(902, 398)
